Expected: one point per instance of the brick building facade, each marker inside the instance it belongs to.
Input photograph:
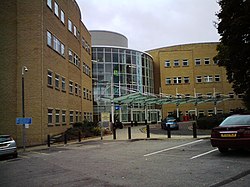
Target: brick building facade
(49, 38)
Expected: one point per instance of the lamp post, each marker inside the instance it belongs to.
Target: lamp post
(24, 69)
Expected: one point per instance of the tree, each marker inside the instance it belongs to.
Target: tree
(234, 47)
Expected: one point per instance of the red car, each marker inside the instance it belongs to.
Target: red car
(232, 133)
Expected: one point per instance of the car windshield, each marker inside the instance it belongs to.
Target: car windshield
(171, 120)
(236, 121)
(4, 138)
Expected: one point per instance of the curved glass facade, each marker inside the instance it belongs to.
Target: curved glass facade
(117, 72)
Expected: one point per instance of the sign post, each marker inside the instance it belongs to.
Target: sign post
(25, 122)
(105, 117)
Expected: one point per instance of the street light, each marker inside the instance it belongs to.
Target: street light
(24, 69)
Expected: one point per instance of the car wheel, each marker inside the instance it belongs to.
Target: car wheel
(15, 155)
(223, 149)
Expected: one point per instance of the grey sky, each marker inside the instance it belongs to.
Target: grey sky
(150, 24)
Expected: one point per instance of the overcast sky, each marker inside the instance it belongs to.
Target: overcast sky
(150, 24)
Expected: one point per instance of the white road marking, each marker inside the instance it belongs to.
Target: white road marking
(197, 156)
(40, 153)
(171, 148)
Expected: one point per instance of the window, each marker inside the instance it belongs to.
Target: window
(50, 116)
(57, 116)
(63, 116)
(219, 111)
(77, 117)
(186, 80)
(63, 84)
(206, 61)
(198, 95)
(56, 9)
(70, 56)
(90, 96)
(84, 93)
(62, 17)
(70, 87)
(208, 78)
(87, 94)
(76, 89)
(185, 62)
(69, 25)
(168, 80)
(176, 63)
(217, 78)
(57, 45)
(57, 79)
(167, 63)
(62, 49)
(197, 62)
(177, 80)
(240, 96)
(209, 95)
(49, 4)
(50, 76)
(198, 79)
(49, 39)
(71, 116)
(75, 30)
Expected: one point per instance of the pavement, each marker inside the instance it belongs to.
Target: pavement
(137, 133)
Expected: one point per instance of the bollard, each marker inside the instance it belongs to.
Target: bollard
(79, 136)
(114, 133)
(194, 130)
(65, 138)
(132, 123)
(48, 139)
(169, 131)
(129, 133)
(148, 132)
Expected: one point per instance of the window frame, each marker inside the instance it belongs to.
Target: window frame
(56, 9)
(50, 78)
(62, 16)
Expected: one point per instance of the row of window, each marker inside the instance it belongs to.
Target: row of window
(71, 27)
(59, 117)
(60, 84)
(86, 69)
(55, 43)
(210, 95)
(57, 11)
(185, 62)
(186, 80)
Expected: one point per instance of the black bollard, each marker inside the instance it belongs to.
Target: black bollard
(129, 133)
(169, 131)
(48, 139)
(148, 131)
(79, 136)
(194, 130)
(65, 138)
(114, 133)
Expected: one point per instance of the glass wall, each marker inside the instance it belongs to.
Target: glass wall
(131, 71)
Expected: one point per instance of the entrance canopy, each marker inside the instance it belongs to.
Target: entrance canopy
(179, 99)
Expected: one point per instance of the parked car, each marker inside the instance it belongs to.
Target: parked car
(232, 133)
(171, 121)
(7, 146)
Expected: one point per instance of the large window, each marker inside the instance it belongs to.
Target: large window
(49, 4)
(208, 78)
(168, 80)
(56, 9)
(176, 63)
(217, 78)
(177, 80)
(50, 116)
(198, 79)
(63, 84)
(57, 116)
(62, 17)
(63, 116)
(50, 77)
(57, 79)
(49, 39)
(71, 116)
(185, 62)
(197, 62)
(167, 63)
(69, 25)
(206, 61)
(186, 80)
(71, 87)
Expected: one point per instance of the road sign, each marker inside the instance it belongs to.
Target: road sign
(21, 121)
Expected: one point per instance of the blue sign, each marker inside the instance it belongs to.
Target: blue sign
(117, 107)
(23, 121)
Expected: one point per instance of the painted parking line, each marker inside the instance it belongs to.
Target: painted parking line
(203, 154)
(171, 148)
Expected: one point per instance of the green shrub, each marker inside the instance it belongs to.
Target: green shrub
(209, 122)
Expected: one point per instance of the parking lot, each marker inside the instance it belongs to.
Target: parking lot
(148, 162)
